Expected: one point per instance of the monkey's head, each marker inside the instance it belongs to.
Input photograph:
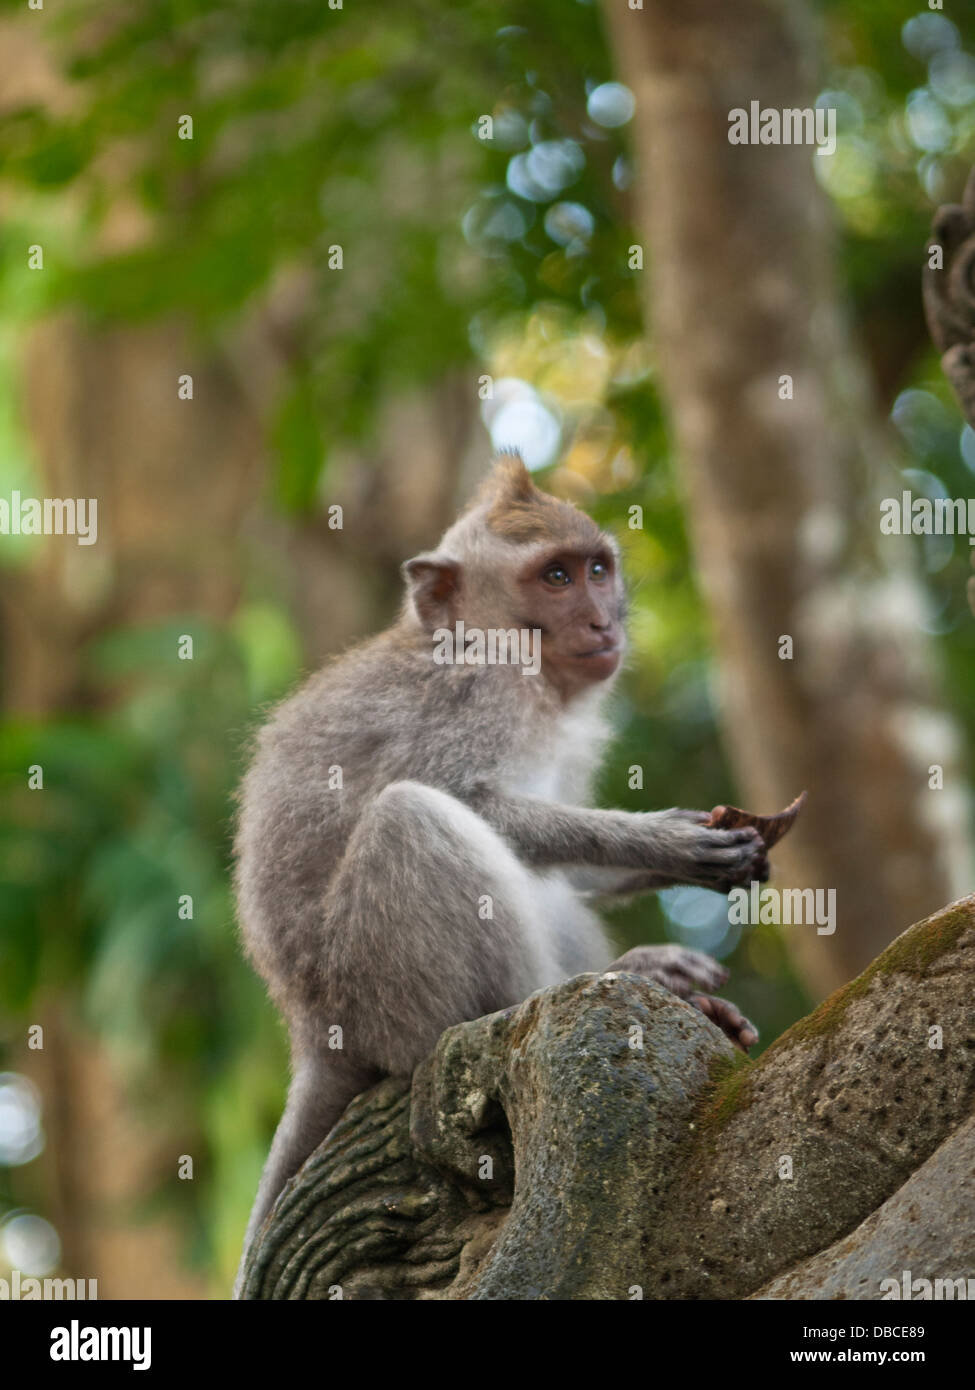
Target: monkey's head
(520, 558)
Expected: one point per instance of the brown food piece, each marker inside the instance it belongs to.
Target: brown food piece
(771, 828)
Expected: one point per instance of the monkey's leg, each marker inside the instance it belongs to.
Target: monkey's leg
(430, 920)
(579, 934)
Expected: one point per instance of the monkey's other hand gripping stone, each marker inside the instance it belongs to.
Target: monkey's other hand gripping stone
(687, 974)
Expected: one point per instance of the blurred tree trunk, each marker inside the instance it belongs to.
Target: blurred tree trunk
(174, 481)
(782, 495)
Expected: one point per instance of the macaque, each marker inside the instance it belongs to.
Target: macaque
(415, 848)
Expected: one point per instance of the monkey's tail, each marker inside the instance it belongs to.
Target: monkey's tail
(319, 1092)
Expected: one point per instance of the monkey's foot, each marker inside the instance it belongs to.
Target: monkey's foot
(728, 1018)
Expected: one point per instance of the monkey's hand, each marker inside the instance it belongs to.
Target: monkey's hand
(677, 968)
(685, 972)
(691, 851)
(728, 1017)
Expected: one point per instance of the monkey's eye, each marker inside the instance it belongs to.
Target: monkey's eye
(599, 570)
(557, 576)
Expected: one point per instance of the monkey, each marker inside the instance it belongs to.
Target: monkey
(414, 845)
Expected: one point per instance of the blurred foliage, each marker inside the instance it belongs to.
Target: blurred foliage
(314, 129)
(97, 867)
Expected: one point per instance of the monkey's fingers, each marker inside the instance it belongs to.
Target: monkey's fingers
(691, 970)
(728, 1018)
(758, 873)
(724, 846)
(743, 861)
(681, 985)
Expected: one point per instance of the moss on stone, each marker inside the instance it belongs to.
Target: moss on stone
(731, 1086)
(912, 953)
(729, 1091)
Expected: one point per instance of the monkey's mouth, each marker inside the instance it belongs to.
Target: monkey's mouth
(601, 661)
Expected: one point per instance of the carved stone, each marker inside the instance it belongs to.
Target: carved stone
(604, 1141)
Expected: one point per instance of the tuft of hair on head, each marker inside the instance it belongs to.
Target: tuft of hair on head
(519, 511)
(508, 481)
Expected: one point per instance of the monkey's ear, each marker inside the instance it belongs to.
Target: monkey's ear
(433, 582)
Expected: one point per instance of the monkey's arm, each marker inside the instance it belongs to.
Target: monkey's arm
(676, 845)
(610, 885)
(598, 885)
